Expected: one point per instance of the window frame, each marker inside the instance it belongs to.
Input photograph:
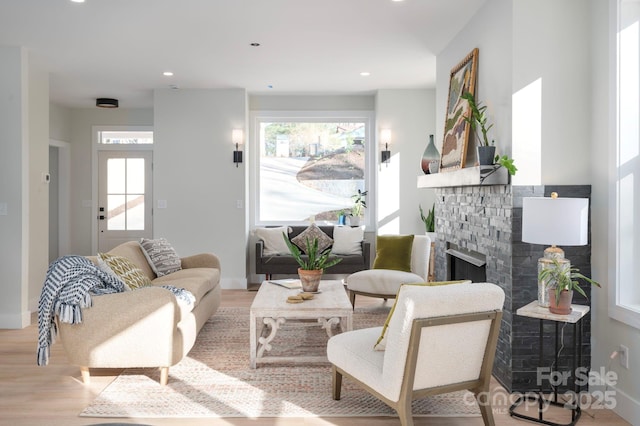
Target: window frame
(620, 309)
(258, 117)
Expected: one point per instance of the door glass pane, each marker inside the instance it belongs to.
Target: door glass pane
(115, 175)
(135, 212)
(135, 175)
(115, 212)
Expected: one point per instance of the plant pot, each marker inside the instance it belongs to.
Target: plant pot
(310, 279)
(486, 155)
(354, 220)
(564, 305)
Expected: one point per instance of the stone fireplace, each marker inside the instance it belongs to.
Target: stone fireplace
(484, 222)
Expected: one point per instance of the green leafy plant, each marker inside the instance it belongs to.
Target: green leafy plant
(429, 219)
(315, 260)
(359, 203)
(477, 118)
(560, 276)
(507, 163)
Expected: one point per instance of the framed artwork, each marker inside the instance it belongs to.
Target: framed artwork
(456, 129)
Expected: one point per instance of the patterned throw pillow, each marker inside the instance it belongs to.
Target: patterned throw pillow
(312, 232)
(381, 343)
(161, 256)
(125, 269)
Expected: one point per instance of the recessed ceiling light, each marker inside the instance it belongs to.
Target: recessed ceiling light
(167, 73)
(254, 44)
(365, 73)
(77, 1)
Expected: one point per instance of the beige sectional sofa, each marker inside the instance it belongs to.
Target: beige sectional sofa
(145, 327)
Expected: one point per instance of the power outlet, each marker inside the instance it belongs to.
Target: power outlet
(623, 356)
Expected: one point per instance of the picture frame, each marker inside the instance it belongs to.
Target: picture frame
(456, 130)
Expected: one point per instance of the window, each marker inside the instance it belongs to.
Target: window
(310, 167)
(625, 300)
(126, 137)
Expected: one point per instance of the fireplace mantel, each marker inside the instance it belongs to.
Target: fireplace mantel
(468, 176)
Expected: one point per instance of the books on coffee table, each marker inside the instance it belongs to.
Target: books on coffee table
(289, 283)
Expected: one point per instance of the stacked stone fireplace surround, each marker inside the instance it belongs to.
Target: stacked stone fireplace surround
(488, 220)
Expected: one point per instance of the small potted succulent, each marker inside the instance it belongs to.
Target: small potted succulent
(313, 264)
(429, 222)
(560, 280)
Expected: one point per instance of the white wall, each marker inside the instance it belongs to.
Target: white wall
(490, 31)
(82, 121)
(14, 187)
(410, 115)
(311, 103)
(195, 174)
(38, 122)
(557, 53)
(59, 123)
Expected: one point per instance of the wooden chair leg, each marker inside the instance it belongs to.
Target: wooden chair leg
(337, 383)
(352, 298)
(404, 412)
(86, 377)
(484, 403)
(164, 375)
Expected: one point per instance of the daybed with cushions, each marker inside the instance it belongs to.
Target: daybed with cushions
(273, 256)
(147, 326)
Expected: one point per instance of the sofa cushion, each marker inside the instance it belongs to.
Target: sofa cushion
(161, 256)
(124, 269)
(312, 232)
(347, 240)
(273, 241)
(199, 281)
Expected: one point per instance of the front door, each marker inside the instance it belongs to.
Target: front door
(124, 197)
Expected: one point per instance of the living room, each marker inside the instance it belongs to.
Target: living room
(560, 50)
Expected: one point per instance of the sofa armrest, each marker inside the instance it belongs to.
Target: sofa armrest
(130, 329)
(202, 260)
(366, 252)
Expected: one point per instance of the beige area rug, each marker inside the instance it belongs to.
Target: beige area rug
(215, 380)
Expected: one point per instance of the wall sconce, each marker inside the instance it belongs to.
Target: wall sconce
(385, 138)
(237, 137)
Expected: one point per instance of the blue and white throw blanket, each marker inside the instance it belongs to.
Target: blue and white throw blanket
(67, 288)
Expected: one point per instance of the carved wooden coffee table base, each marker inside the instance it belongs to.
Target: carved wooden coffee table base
(270, 311)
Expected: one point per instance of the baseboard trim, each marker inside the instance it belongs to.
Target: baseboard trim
(15, 321)
(233, 283)
(623, 404)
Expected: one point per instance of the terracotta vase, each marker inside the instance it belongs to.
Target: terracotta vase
(564, 306)
(310, 279)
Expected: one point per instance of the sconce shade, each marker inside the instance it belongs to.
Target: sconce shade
(385, 136)
(237, 136)
(555, 221)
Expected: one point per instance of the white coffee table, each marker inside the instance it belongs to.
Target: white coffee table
(270, 309)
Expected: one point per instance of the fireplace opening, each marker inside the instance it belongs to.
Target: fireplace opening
(465, 264)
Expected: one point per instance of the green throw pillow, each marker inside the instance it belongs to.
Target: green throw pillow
(381, 343)
(393, 252)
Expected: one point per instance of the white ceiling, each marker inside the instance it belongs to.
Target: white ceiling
(120, 48)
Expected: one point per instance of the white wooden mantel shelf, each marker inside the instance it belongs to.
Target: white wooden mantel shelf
(468, 176)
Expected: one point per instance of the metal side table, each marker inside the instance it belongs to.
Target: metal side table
(533, 310)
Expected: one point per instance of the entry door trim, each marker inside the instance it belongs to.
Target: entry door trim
(96, 146)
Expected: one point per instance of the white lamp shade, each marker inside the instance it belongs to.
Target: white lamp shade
(555, 221)
(237, 136)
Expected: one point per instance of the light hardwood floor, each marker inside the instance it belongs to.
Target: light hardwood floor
(54, 395)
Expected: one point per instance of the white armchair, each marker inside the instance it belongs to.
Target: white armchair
(439, 339)
(385, 283)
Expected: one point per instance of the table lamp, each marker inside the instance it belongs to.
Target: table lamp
(554, 221)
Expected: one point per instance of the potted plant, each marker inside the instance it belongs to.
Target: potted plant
(429, 222)
(359, 205)
(560, 280)
(478, 117)
(312, 265)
